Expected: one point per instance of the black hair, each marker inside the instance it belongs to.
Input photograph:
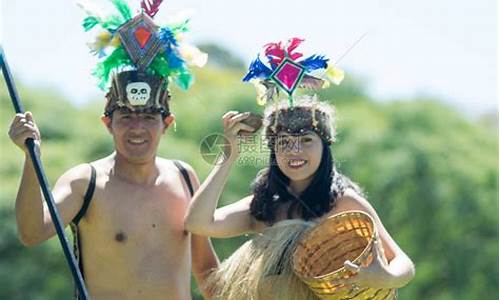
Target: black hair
(270, 190)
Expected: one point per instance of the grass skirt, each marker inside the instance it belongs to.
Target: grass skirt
(261, 268)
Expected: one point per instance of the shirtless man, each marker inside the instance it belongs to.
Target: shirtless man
(132, 241)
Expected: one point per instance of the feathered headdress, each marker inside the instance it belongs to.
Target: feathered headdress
(286, 70)
(137, 58)
(137, 42)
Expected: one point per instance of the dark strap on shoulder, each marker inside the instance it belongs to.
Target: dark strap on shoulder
(185, 175)
(88, 196)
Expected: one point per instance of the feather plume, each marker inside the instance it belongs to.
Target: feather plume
(173, 58)
(257, 69)
(311, 82)
(151, 7)
(334, 74)
(314, 62)
(159, 66)
(293, 43)
(180, 27)
(118, 58)
(192, 55)
(89, 23)
(167, 37)
(123, 8)
(275, 53)
(90, 8)
(184, 79)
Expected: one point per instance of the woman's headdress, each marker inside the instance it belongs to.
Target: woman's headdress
(286, 70)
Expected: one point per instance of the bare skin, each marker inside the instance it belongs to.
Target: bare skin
(134, 245)
(299, 164)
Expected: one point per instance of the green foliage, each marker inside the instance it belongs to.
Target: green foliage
(433, 178)
(431, 174)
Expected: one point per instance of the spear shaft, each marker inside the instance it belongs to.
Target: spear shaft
(42, 179)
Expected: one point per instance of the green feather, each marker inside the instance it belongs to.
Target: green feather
(184, 79)
(159, 66)
(123, 8)
(112, 22)
(119, 58)
(90, 22)
(180, 27)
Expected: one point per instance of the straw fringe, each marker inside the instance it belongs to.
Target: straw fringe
(261, 268)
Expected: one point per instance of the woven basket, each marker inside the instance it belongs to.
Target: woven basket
(320, 255)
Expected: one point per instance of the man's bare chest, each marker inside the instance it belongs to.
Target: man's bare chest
(136, 215)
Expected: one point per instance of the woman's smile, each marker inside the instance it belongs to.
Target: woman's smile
(296, 163)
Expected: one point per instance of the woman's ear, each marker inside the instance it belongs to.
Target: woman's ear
(169, 120)
(106, 120)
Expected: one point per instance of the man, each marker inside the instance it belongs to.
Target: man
(133, 244)
(126, 210)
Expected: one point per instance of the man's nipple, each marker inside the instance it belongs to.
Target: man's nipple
(120, 237)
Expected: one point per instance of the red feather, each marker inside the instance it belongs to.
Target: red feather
(293, 44)
(276, 51)
(151, 7)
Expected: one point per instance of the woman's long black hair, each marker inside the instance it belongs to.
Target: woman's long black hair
(270, 190)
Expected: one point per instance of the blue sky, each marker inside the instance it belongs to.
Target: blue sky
(442, 48)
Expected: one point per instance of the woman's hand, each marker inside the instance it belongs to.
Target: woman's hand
(233, 125)
(375, 275)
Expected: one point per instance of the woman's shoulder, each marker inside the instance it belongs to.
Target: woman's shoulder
(351, 200)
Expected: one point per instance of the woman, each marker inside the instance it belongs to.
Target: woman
(300, 187)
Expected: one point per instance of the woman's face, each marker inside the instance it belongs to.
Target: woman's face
(298, 156)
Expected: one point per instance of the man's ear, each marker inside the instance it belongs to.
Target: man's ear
(106, 120)
(169, 120)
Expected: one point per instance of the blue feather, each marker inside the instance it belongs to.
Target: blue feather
(173, 59)
(314, 62)
(257, 69)
(166, 36)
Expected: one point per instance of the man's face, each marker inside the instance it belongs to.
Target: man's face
(136, 135)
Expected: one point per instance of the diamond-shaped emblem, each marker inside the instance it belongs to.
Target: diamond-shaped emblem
(288, 75)
(140, 40)
(142, 36)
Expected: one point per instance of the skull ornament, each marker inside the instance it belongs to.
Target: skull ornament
(138, 93)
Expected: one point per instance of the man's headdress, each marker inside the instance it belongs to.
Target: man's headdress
(287, 71)
(137, 58)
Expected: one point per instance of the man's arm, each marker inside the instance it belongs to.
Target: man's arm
(34, 223)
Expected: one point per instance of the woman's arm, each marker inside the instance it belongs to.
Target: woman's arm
(202, 218)
(399, 270)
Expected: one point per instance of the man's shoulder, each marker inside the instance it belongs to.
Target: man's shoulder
(82, 173)
(170, 165)
(77, 178)
(78, 172)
